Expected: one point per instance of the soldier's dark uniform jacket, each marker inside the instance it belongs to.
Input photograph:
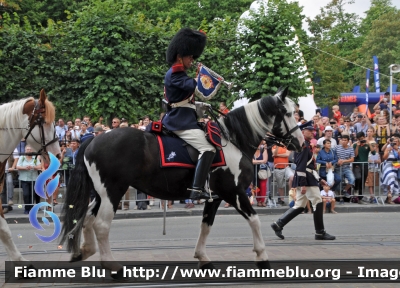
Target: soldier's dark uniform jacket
(178, 87)
(302, 177)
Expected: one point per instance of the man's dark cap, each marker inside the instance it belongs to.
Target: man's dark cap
(307, 126)
(186, 42)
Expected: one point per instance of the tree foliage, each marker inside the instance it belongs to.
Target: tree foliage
(268, 53)
(382, 41)
(334, 32)
(108, 57)
(349, 39)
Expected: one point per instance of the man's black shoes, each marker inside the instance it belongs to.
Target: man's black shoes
(278, 230)
(324, 236)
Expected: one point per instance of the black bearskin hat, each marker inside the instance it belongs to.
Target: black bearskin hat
(186, 42)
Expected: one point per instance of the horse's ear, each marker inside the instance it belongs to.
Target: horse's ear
(43, 97)
(283, 93)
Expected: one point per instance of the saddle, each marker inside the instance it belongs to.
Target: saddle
(175, 152)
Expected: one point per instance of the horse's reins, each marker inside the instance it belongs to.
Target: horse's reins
(285, 141)
(39, 120)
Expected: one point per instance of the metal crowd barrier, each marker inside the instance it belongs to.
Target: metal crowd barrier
(377, 187)
(270, 194)
(271, 199)
(18, 198)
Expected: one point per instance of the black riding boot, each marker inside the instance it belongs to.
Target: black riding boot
(285, 219)
(200, 177)
(320, 233)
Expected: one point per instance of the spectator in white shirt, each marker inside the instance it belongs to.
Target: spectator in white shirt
(328, 135)
(328, 197)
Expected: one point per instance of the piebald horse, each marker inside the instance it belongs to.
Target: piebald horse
(33, 120)
(124, 157)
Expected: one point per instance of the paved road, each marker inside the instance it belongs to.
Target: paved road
(359, 236)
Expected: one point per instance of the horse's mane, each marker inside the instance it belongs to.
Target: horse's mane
(50, 114)
(248, 124)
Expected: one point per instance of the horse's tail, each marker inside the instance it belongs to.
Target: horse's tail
(76, 202)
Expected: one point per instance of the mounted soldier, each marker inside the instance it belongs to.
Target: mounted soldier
(186, 46)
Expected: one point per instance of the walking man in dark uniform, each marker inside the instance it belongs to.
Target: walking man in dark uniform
(186, 46)
(306, 185)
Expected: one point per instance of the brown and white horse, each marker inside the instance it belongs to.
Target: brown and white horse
(33, 120)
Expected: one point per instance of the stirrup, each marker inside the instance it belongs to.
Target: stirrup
(197, 194)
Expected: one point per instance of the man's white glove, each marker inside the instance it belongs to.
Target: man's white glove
(201, 104)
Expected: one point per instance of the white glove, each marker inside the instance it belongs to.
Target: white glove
(202, 104)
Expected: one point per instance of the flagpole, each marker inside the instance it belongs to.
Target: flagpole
(391, 98)
(394, 68)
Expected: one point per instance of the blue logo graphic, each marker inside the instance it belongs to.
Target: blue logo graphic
(41, 189)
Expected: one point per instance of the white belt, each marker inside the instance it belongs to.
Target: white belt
(184, 103)
(314, 172)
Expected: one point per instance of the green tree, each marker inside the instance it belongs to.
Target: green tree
(39, 12)
(22, 58)
(191, 13)
(112, 63)
(382, 41)
(334, 32)
(328, 78)
(377, 9)
(268, 53)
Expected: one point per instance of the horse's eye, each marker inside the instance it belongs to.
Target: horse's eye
(288, 114)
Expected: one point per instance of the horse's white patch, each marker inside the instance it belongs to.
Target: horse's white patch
(232, 158)
(200, 250)
(238, 202)
(257, 123)
(259, 244)
(102, 223)
(171, 156)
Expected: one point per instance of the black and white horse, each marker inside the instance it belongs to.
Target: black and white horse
(33, 120)
(125, 157)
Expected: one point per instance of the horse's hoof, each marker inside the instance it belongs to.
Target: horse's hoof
(118, 275)
(76, 258)
(208, 265)
(263, 264)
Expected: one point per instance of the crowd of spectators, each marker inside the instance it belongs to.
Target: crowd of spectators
(357, 153)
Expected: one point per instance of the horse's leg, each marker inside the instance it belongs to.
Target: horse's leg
(244, 207)
(88, 247)
(210, 209)
(101, 226)
(9, 245)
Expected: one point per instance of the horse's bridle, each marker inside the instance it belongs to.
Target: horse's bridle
(286, 139)
(36, 118)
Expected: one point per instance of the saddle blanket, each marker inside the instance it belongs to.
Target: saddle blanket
(173, 153)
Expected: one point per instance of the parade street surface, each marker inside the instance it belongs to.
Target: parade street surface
(371, 239)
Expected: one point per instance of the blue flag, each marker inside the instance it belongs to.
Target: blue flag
(376, 74)
(367, 87)
(207, 84)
